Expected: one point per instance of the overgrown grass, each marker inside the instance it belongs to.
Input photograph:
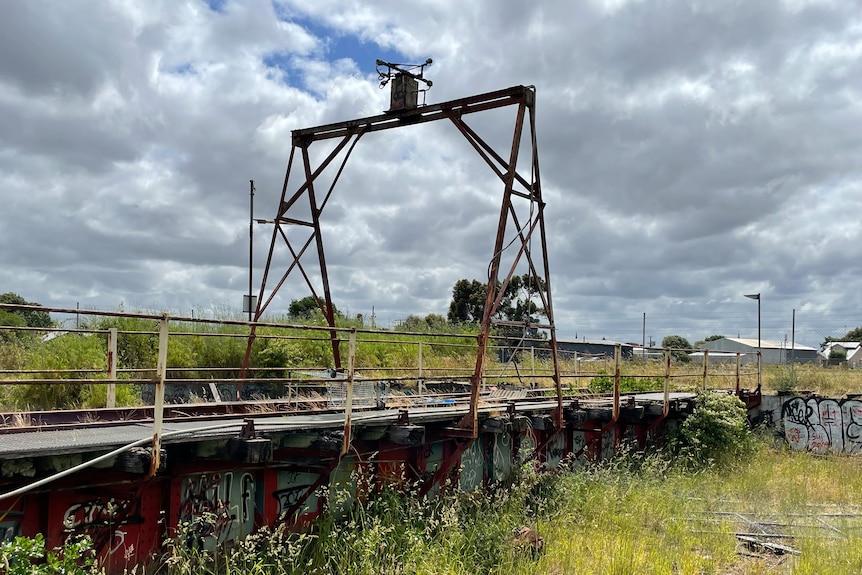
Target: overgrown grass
(833, 381)
(635, 515)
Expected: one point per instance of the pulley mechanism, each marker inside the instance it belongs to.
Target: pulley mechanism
(405, 78)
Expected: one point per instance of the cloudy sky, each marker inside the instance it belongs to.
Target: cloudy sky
(691, 152)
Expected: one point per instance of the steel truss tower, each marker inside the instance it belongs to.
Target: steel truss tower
(521, 216)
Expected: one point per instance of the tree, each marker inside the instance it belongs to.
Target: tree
(677, 342)
(10, 319)
(700, 342)
(854, 334)
(837, 356)
(517, 304)
(32, 318)
(308, 307)
(468, 301)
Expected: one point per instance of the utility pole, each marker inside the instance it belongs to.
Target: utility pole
(643, 339)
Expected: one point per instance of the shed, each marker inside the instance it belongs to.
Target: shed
(594, 348)
(773, 352)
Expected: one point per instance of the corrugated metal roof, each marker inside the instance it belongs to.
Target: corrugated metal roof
(768, 344)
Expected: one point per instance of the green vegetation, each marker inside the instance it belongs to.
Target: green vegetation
(677, 342)
(468, 300)
(635, 515)
(669, 512)
(604, 383)
(715, 433)
(28, 556)
(854, 334)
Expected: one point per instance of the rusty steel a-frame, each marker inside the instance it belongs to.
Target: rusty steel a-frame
(527, 191)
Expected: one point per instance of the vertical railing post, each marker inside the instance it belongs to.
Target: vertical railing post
(158, 409)
(348, 405)
(705, 369)
(420, 383)
(667, 360)
(738, 361)
(666, 407)
(111, 393)
(617, 354)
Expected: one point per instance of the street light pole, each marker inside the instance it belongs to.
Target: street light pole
(250, 243)
(759, 353)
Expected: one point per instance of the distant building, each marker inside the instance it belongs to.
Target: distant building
(647, 353)
(852, 349)
(773, 352)
(593, 348)
(720, 357)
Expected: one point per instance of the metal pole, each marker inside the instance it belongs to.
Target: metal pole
(158, 410)
(419, 383)
(666, 407)
(758, 322)
(759, 351)
(111, 393)
(348, 405)
(250, 243)
(705, 369)
(643, 340)
(759, 354)
(617, 354)
(738, 361)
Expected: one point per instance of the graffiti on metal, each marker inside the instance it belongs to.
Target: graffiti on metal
(8, 530)
(556, 450)
(526, 446)
(579, 444)
(472, 468)
(823, 425)
(502, 457)
(220, 506)
(293, 490)
(106, 521)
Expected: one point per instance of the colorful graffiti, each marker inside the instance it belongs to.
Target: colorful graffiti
(823, 425)
(218, 507)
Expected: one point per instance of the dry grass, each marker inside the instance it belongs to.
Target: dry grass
(681, 523)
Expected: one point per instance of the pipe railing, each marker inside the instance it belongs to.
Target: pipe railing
(429, 356)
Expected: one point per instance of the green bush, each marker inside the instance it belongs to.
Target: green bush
(716, 432)
(27, 556)
(67, 352)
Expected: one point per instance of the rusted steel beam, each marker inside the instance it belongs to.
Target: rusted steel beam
(471, 420)
(324, 275)
(469, 105)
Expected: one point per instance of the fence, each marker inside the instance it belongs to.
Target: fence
(201, 361)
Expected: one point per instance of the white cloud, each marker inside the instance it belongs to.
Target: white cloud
(690, 152)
